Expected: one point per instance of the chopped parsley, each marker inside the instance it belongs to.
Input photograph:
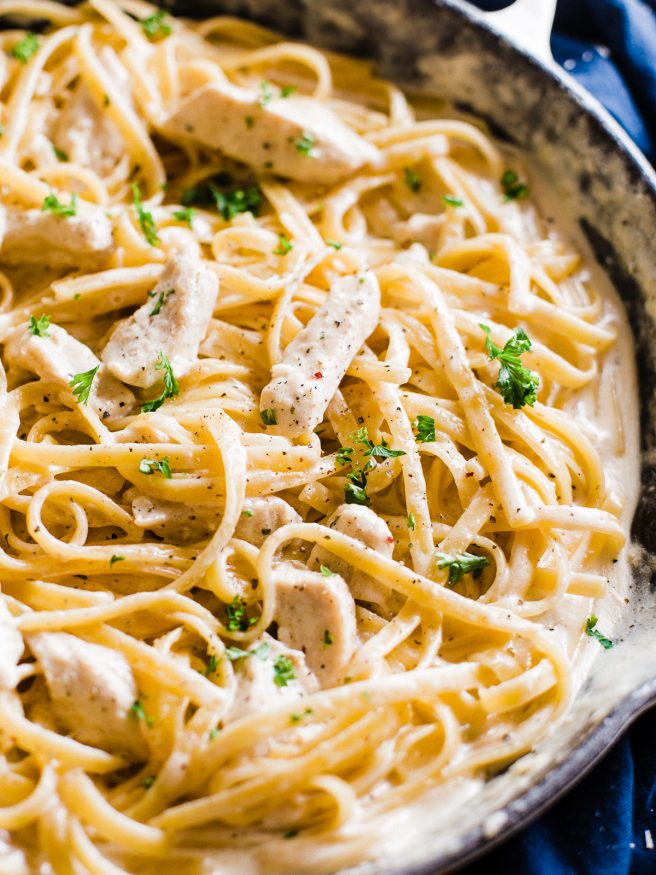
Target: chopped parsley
(39, 327)
(381, 450)
(161, 300)
(238, 620)
(305, 144)
(266, 93)
(268, 416)
(460, 564)
(334, 243)
(149, 466)
(81, 384)
(513, 189)
(239, 200)
(355, 491)
(344, 455)
(186, 214)
(213, 733)
(249, 121)
(157, 25)
(25, 48)
(212, 665)
(53, 205)
(115, 559)
(592, 632)
(171, 386)
(326, 571)
(287, 90)
(425, 426)
(137, 710)
(235, 653)
(146, 221)
(517, 384)
(283, 247)
(60, 155)
(149, 781)
(411, 179)
(411, 522)
(328, 638)
(452, 201)
(283, 671)
(247, 512)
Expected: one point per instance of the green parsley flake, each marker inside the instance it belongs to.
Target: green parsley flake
(460, 564)
(146, 221)
(60, 155)
(305, 144)
(212, 665)
(411, 522)
(355, 491)
(39, 327)
(238, 620)
(214, 733)
(284, 246)
(283, 671)
(517, 384)
(157, 25)
(239, 200)
(161, 300)
(115, 559)
(328, 638)
(326, 571)
(81, 384)
(137, 710)
(287, 91)
(344, 455)
(186, 214)
(25, 48)
(247, 512)
(53, 205)
(149, 781)
(425, 426)
(268, 416)
(171, 386)
(452, 201)
(266, 93)
(411, 179)
(381, 451)
(249, 120)
(334, 243)
(513, 189)
(592, 632)
(149, 466)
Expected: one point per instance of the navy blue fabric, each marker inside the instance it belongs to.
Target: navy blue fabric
(600, 827)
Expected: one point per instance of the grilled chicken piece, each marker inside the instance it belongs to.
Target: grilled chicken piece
(294, 137)
(316, 614)
(58, 357)
(93, 691)
(173, 320)
(314, 363)
(172, 520)
(82, 241)
(86, 135)
(261, 516)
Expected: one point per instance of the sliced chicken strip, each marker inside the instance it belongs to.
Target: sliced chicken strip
(173, 520)
(294, 137)
(316, 614)
(86, 135)
(314, 363)
(256, 675)
(174, 320)
(11, 649)
(364, 525)
(82, 241)
(58, 357)
(93, 691)
(261, 516)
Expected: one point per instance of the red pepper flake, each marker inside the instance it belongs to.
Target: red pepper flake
(390, 539)
(318, 375)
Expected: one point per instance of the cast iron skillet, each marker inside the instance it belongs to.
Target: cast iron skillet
(446, 48)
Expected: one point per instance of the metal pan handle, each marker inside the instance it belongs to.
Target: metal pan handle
(527, 23)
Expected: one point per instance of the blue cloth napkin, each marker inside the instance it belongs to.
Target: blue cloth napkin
(606, 825)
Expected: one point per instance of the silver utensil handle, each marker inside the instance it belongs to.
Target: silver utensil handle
(527, 23)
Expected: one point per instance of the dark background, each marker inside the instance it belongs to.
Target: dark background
(599, 828)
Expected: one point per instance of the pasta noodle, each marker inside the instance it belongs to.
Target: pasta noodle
(303, 499)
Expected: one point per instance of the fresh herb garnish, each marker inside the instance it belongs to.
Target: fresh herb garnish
(592, 632)
(283, 671)
(161, 300)
(137, 710)
(146, 221)
(25, 48)
(268, 416)
(425, 426)
(305, 144)
(266, 93)
(157, 26)
(212, 665)
(238, 620)
(287, 90)
(452, 201)
(39, 327)
(328, 638)
(381, 450)
(115, 559)
(53, 205)
(81, 384)
(235, 653)
(60, 155)
(334, 243)
(326, 571)
(355, 491)
(517, 384)
(344, 455)
(284, 246)
(249, 121)
(186, 214)
(149, 781)
(513, 189)
(171, 386)
(460, 564)
(149, 466)
(412, 179)
(247, 512)
(239, 200)
(411, 522)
